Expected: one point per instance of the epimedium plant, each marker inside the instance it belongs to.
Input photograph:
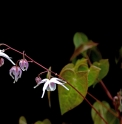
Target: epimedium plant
(73, 81)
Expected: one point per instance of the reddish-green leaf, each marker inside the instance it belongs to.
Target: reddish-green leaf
(83, 48)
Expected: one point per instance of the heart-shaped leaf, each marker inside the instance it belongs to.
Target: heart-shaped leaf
(79, 38)
(93, 74)
(110, 118)
(22, 120)
(83, 48)
(70, 99)
(96, 118)
(46, 121)
(103, 64)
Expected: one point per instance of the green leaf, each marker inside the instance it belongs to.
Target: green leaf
(81, 61)
(93, 74)
(95, 54)
(110, 118)
(81, 65)
(22, 120)
(96, 118)
(104, 65)
(70, 99)
(68, 66)
(39, 122)
(82, 48)
(46, 121)
(93, 71)
(74, 61)
(79, 39)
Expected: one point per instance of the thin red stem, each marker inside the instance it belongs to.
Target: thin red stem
(42, 73)
(120, 120)
(6, 49)
(23, 54)
(103, 105)
(106, 90)
(30, 61)
(17, 62)
(89, 103)
(56, 75)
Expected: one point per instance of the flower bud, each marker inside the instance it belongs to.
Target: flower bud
(1, 62)
(38, 79)
(23, 63)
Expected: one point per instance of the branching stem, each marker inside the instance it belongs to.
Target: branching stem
(8, 47)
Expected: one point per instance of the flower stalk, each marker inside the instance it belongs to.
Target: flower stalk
(8, 47)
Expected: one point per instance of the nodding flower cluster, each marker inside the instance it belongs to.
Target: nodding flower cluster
(16, 73)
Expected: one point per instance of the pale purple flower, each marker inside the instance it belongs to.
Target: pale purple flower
(50, 84)
(16, 73)
(23, 63)
(1, 62)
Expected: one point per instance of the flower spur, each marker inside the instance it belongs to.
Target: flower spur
(50, 84)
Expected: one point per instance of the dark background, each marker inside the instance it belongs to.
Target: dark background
(49, 41)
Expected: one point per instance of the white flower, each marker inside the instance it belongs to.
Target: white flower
(50, 85)
(2, 54)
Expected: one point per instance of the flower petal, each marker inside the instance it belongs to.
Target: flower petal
(42, 81)
(57, 82)
(16, 76)
(20, 73)
(26, 65)
(48, 88)
(58, 79)
(52, 86)
(11, 72)
(6, 56)
(45, 87)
